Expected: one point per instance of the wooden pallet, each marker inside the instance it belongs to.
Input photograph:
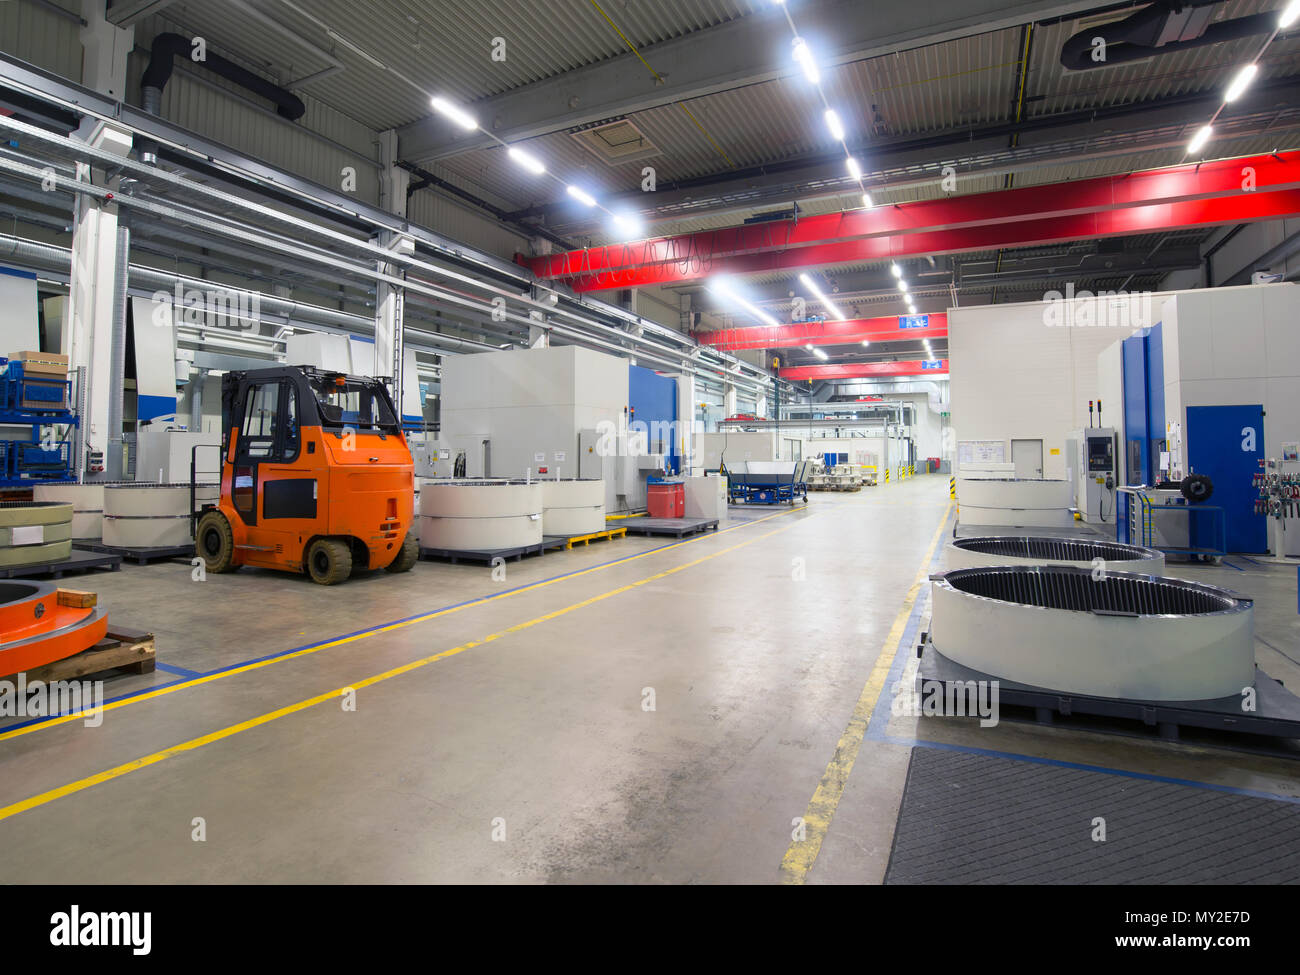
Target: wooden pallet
(609, 533)
(121, 649)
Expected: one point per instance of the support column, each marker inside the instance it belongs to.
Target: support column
(728, 400)
(686, 422)
(539, 336)
(196, 384)
(94, 330)
(390, 299)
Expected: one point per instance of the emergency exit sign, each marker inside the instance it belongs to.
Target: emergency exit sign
(913, 321)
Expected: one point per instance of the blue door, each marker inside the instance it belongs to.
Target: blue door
(1226, 443)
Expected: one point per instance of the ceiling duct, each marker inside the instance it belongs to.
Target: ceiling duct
(1161, 28)
(163, 52)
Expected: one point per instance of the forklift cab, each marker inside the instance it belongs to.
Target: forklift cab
(315, 468)
(264, 411)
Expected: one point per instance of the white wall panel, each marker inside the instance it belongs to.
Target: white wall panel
(155, 357)
(40, 36)
(1015, 377)
(1232, 346)
(18, 322)
(462, 223)
(326, 350)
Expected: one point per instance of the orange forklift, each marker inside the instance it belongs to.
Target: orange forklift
(316, 477)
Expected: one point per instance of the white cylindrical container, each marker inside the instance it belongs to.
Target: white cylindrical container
(144, 515)
(1027, 502)
(574, 507)
(87, 502)
(480, 515)
(1121, 635)
(969, 553)
(32, 533)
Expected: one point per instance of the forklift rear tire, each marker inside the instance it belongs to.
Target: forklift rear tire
(214, 542)
(407, 555)
(329, 561)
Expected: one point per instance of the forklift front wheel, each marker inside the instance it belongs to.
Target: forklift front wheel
(215, 543)
(407, 555)
(329, 561)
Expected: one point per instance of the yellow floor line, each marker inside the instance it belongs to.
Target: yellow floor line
(801, 855)
(305, 651)
(187, 746)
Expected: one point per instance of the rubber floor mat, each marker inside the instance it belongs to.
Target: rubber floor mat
(976, 819)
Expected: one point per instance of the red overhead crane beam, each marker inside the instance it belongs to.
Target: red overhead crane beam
(1246, 189)
(1241, 208)
(891, 328)
(868, 370)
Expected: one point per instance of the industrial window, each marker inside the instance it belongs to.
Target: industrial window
(261, 414)
(268, 434)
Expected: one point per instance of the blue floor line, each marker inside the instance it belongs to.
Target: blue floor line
(880, 719)
(172, 669)
(1231, 566)
(189, 675)
(107, 700)
(1099, 769)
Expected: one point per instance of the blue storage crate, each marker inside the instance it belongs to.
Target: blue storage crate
(35, 394)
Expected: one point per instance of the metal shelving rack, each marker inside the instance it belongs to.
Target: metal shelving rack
(56, 460)
(1136, 524)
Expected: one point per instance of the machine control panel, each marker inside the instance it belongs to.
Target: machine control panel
(1101, 454)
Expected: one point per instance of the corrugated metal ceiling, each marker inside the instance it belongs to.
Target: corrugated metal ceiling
(436, 45)
(445, 47)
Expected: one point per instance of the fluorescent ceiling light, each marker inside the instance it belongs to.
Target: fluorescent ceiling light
(820, 354)
(582, 196)
(865, 343)
(805, 60)
(866, 201)
(723, 290)
(458, 115)
(1201, 137)
(628, 223)
(830, 305)
(1290, 13)
(902, 286)
(809, 346)
(854, 169)
(834, 124)
(895, 270)
(530, 163)
(1243, 78)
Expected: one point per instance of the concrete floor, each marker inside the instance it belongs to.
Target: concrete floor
(757, 642)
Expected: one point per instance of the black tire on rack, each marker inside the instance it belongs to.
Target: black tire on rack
(1196, 488)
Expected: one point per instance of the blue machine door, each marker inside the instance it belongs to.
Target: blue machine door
(1226, 443)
